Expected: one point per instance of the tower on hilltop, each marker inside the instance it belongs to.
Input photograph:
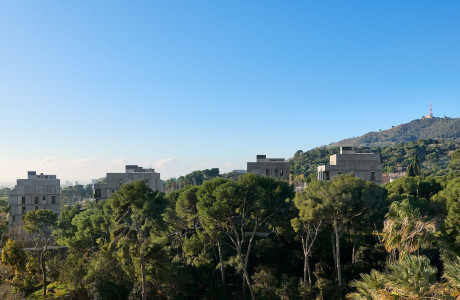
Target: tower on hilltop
(430, 115)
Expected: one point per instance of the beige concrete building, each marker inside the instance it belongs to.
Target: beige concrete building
(36, 192)
(365, 165)
(114, 181)
(277, 168)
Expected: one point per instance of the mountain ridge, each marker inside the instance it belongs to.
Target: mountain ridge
(426, 128)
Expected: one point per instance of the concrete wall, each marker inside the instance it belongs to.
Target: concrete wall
(276, 168)
(116, 180)
(33, 193)
(363, 165)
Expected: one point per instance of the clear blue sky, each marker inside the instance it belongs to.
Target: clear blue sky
(87, 86)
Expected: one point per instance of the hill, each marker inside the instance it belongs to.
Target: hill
(433, 154)
(434, 128)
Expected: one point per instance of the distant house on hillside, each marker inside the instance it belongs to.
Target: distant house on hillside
(365, 165)
(389, 177)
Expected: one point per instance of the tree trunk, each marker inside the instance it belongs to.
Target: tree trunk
(221, 259)
(144, 292)
(222, 268)
(245, 273)
(353, 252)
(337, 250)
(333, 249)
(305, 268)
(42, 263)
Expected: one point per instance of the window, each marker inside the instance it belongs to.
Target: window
(121, 182)
(36, 207)
(22, 218)
(267, 172)
(372, 175)
(97, 193)
(53, 199)
(23, 200)
(13, 219)
(36, 199)
(281, 173)
(276, 172)
(326, 173)
(44, 198)
(24, 210)
(339, 173)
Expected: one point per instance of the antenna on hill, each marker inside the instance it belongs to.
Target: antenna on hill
(431, 111)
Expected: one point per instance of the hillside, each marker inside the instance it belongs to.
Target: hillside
(434, 128)
(433, 156)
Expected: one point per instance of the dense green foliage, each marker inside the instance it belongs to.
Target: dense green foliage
(4, 192)
(76, 193)
(433, 156)
(434, 128)
(252, 238)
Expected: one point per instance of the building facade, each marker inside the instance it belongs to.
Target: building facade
(365, 165)
(36, 192)
(114, 181)
(277, 168)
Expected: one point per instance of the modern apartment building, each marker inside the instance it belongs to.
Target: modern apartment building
(365, 165)
(36, 192)
(114, 181)
(277, 168)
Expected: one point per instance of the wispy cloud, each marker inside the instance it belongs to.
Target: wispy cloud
(119, 161)
(79, 162)
(166, 161)
(49, 161)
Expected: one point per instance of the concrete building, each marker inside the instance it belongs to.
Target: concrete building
(114, 181)
(277, 168)
(35, 192)
(365, 165)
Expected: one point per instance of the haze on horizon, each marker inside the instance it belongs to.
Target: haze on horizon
(87, 87)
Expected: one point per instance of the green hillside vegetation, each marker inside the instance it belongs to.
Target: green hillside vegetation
(433, 154)
(434, 128)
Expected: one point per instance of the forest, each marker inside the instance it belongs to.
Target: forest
(433, 154)
(247, 238)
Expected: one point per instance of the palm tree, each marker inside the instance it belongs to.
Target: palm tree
(452, 275)
(411, 278)
(405, 230)
(371, 286)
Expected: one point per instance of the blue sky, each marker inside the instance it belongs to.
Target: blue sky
(87, 86)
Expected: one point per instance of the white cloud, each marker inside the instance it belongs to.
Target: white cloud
(229, 164)
(49, 161)
(119, 161)
(79, 162)
(166, 161)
